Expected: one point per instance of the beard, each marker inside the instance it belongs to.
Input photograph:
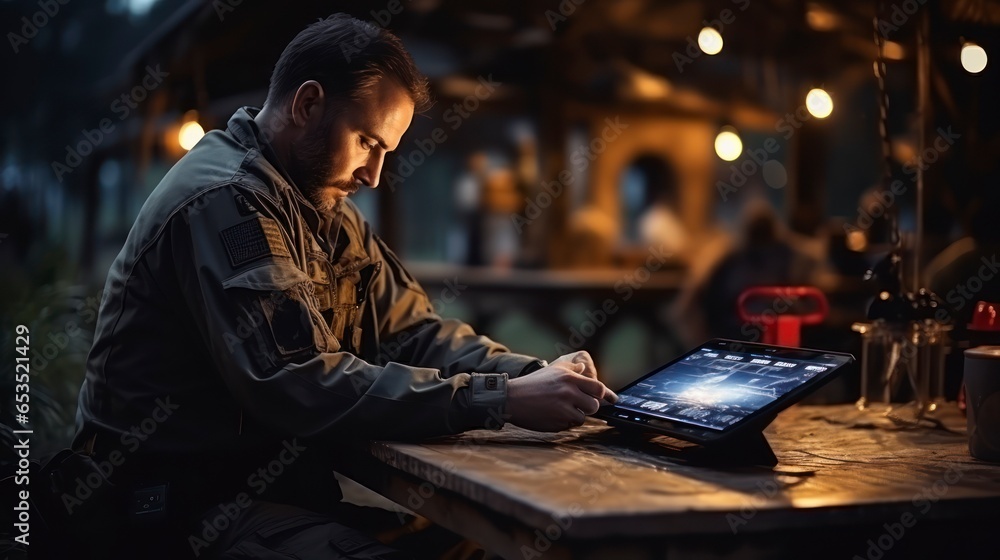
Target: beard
(312, 169)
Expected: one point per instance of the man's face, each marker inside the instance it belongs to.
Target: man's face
(345, 149)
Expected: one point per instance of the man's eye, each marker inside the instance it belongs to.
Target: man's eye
(366, 144)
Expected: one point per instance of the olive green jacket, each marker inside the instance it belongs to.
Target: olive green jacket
(237, 316)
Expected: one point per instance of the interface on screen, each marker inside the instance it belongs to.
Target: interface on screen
(715, 388)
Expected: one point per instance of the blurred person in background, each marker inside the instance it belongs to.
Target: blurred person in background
(972, 256)
(762, 256)
(501, 199)
(659, 225)
(465, 237)
(964, 273)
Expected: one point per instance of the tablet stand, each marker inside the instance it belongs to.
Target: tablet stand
(747, 450)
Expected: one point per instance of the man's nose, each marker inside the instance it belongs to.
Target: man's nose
(369, 174)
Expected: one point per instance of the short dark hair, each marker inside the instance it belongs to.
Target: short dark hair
(347, 57)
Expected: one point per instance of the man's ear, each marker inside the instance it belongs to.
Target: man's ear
(308, 103)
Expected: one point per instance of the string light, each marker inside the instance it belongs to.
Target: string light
(728, 145)
(189, 135)
(710, 41)
(818, 103)
(973, 58)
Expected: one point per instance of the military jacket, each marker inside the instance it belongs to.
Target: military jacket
(237, 315)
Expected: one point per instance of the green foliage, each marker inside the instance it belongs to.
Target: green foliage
(43, 298)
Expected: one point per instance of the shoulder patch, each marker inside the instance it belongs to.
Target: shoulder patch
(253, 239)
(244, 206)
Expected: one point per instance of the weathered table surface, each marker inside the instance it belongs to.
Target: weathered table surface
(837, 467)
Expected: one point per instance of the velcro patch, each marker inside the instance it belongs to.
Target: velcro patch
(253, 239)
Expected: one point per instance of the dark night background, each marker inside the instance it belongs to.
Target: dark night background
(531, 213)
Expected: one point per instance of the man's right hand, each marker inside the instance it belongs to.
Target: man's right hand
(555, 398)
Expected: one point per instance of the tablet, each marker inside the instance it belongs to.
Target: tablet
(721, 389)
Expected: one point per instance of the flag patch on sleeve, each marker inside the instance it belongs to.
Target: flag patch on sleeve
(253, 239)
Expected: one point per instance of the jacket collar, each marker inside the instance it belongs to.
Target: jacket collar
(327, 225)
(247, 132)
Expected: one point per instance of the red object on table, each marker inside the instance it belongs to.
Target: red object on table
(984, 320)
(782, 328)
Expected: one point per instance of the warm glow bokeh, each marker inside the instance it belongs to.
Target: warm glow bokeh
(189, 135)
(710, 41)
(819, 103)
(973, 58)
(728, 145)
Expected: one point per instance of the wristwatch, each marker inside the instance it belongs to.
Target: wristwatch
(533, 366)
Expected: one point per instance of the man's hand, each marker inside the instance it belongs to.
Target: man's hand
(557, 397)
(580, 357)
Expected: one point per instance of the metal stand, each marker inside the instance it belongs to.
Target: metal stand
(749, 450)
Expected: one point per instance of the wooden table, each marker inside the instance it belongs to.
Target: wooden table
(847, 485)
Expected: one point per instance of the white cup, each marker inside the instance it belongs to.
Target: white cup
(982, 394)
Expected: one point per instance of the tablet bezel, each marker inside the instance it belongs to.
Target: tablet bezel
(629, 419)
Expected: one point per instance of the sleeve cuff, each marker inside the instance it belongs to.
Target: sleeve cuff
(484, 402)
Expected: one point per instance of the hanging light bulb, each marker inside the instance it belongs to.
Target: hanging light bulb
(710, 41)
(819, 103)
(973, 58)
(190, 132)
(728, 145)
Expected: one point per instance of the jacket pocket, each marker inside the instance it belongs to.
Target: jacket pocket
(290, 317)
